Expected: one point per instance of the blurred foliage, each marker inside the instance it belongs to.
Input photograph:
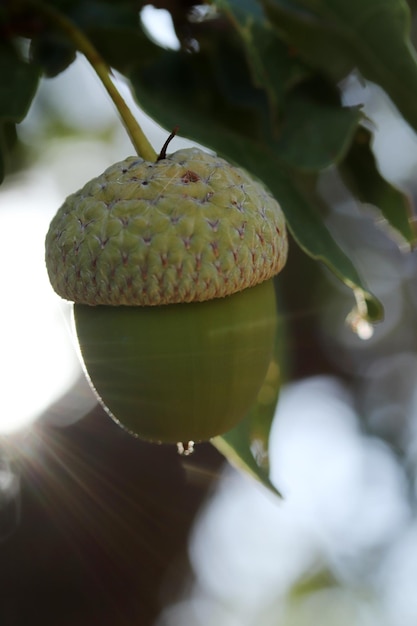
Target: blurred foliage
(258, 81)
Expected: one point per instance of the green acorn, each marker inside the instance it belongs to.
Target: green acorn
(170, 266)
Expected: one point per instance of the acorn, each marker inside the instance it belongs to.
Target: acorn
(170, 266)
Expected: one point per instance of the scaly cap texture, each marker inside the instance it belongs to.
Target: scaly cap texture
(190, 227)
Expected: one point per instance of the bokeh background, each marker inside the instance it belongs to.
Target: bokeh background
(97, 527)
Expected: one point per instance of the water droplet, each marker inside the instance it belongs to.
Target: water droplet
(362, 328)
(259, 453)
(185, 449)
(358, 318)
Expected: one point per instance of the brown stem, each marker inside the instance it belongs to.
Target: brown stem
(163, 153)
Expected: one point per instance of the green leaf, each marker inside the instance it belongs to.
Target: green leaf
(272, 65)
(246, 446)
(314, 134)
(302, 212)
(115, 30)
(18, 84)
(337, 36)
(121, 47)
(53, 52)
(8, 144)
(102, 15)
(308, 127)
(2, 159)
(361, 173)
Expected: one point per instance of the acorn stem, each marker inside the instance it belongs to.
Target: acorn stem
(103, 71)
(163, 153)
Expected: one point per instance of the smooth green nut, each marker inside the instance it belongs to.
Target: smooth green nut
(179, 372)
(170, 266)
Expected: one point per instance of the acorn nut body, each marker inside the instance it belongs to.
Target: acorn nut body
(170, 266)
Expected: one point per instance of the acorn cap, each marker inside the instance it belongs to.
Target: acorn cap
(189, 227)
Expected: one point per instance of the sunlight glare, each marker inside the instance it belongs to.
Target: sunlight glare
(159, 26)
(38, 362)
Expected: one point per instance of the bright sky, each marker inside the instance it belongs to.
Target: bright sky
(38, 362)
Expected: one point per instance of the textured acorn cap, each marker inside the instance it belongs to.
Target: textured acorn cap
(190, 227)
